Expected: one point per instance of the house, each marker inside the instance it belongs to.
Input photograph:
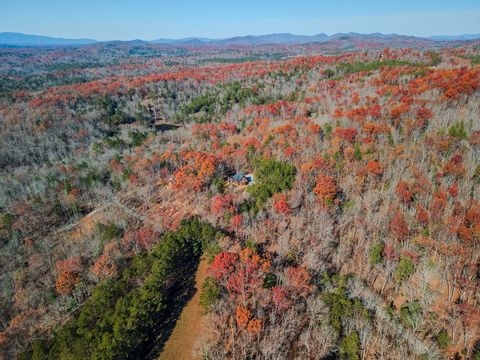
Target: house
(241, 179)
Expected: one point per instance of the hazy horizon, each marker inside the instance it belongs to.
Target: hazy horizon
(149, 20)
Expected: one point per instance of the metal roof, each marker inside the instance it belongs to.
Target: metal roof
(238, 176)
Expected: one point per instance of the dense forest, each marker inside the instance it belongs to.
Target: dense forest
(333, 191)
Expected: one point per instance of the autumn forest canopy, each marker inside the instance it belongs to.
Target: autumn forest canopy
(332, 189)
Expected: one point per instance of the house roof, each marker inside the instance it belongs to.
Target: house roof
(238, 176)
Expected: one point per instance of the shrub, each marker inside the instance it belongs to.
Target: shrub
(443, 339)
(212, 250)
(340, 305)
(90, 179)
(358, 153)
(350, 347)
(329, 73)
(199, 109)
(376, 253)
(6, 221)
(210, 293)
(435, 58)
(405, 269)
(219, 184)
(36, 351)
(410, 313)
(476, 351)
(327, 128)
(137, 138)
(351, 68)
(476, 174)
(269, 281)
(291, 257)
(109, 232)
(458, 131)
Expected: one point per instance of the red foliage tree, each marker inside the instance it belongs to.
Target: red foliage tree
(145, 238)
(73, 264)
(398, 111)
(439, 203)
(348, 134)
(280, 204)
(236, 221)
(389, 252)
(222, 204)
(455, 166)
(281, 298)
(403, 192)
(248, 275)
(374, 168)
(398, 226)
(228, 127)
(375, 129)
(453, 190)
(472, 216)
(105, 266)
(315, 128)
(469, 231)
(423, 115)
(223, 265)
(422, 215)
(411, 255)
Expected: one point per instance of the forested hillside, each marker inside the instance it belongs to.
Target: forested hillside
(333, 191)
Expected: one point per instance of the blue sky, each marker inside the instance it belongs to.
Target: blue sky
(151, 19)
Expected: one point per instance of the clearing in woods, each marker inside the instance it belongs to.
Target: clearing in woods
(189, 327)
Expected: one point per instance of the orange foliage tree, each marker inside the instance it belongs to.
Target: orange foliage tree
(66, 282)
(325, 188)
(299, 279)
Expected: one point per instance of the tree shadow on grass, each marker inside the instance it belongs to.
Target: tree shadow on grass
(182, 292)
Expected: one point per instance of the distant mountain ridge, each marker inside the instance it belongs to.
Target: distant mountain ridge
(19, 39)
(277, 39)
(464, 37)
